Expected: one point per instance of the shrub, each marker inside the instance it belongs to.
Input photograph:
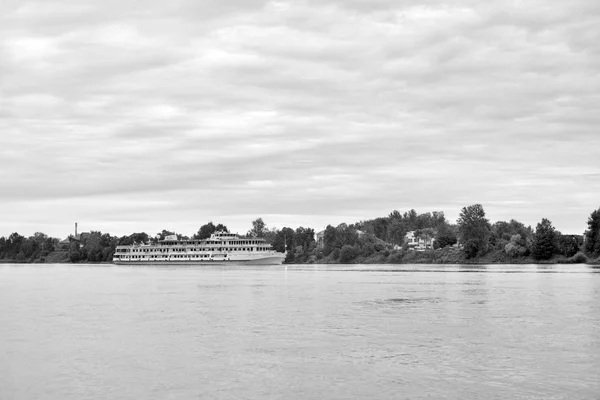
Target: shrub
(367, 249)
(394, 258)
(501, 244)
(335, 254)
(347, 254)
(579, 258)
(471, 248)
(75, 256)
(445, 238)
(568, 245)
(516, 247)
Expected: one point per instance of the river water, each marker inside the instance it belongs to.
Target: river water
(299, 332)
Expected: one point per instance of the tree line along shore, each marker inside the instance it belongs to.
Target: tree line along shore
(471, 239)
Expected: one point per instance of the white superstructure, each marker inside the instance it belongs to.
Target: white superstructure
(221, 247)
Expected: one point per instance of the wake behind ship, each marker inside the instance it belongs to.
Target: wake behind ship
(221, 247)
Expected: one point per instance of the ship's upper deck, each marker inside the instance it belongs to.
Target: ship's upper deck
(218, 238)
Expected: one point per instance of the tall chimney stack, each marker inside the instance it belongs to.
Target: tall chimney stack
(75, 229)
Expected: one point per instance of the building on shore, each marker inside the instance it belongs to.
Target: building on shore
(63, 245)
(320, 236)
(418, 243)
(78, 237)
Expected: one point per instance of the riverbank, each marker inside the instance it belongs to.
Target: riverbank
(444, 256)
(440, 256)
(55, 257)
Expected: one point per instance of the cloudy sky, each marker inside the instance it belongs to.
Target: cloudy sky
(147, 115)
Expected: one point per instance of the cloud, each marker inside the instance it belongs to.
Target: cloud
(128, 117)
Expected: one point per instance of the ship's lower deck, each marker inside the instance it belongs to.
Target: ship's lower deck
(274, 260)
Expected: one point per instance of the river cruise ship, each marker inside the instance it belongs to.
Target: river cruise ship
(221, 247)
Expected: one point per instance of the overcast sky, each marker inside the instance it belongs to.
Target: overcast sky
(147, 115)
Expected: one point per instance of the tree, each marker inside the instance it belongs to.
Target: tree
(592, 234)
(258, 228)
(271, 235)
(472, 247)
(92, 247)
(369, 244)
(43, 243)
(500, 234)
(424, 221)
(284, 240)
(289, 258)
(569, 245)
(329, 239)
(28, 248)
(445, 237)
(208, 229)
(474, 230)
(345, 235)
(125, 241)
(205, 231)
(303, 237)
(11, 246)
(503, 231)
(221, 228)
(347, 254)
(438, 219)
(395, 215)
(2, 246)
(74, 256)
(545, 240)
(411, 218)
(516, 247)
(15, 242)
(162, 235)
(108, 243)
(397, 231)
(139, 237)
(380, 228)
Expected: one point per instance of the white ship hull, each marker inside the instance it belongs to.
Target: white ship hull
(272, 260)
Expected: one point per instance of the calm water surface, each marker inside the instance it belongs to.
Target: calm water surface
(301, 332)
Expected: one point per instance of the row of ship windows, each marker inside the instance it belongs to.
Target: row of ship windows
(194, 249)
(175, 256)
(238, 242)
